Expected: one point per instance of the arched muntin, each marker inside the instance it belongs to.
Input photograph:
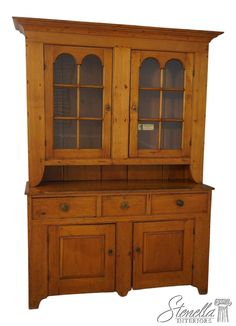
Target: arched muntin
(91, 70)
(174, 74)
(149, 75)
(65, 69)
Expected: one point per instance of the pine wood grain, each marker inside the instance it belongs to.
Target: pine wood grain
(120, 112)
(116, 217)
(35, 110)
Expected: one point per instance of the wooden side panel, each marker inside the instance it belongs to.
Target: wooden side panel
(198, 120)
(53, 259)
(123, 257)
(201, 251)
(38, 261)
(35, 108)
(201, 254)
(120, 107)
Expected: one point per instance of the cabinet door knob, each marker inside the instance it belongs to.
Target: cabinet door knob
(180, 202)
(110, 252)
(108, 108)
(124, 205)
(64, 207)
(133, 107)
(138, 250)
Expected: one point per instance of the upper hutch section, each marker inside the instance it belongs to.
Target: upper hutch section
(105, 94)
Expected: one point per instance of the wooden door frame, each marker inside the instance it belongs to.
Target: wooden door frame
(137, 58)
(105, 55)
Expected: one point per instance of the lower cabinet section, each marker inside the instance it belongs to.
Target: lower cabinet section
(81, 258)
(163, 253)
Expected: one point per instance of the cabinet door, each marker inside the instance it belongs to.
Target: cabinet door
(162, 253)
(160, 106)
(81, 258)
(78, 102)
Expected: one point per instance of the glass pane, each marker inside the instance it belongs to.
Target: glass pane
(174, 75)
(171, 135)
(65, 70)
(173, 105)
(65, 102)
(91, 102)
(149, 104)
(149, 73)
(90, 134)
(91, 71)
(148, 135)
(65, 133)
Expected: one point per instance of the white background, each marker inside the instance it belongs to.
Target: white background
(139, 307)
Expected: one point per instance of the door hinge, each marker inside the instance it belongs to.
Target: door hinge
(44, 66)
(193, 72)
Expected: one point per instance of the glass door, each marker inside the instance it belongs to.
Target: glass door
(78, 102)
(160, 112)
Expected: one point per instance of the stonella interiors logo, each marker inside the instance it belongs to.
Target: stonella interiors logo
(177, 310)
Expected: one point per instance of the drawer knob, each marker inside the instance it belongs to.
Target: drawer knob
(124, 205)
(64, 207)
(180, 202)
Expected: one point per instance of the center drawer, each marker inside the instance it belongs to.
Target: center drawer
(65, 207)
(123, 205)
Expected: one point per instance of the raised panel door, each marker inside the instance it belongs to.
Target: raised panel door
(81, 258)
(162, 253)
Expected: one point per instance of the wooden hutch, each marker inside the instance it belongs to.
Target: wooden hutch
(116, 117)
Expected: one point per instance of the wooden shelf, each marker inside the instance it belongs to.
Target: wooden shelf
(106, 161)
(74, 187)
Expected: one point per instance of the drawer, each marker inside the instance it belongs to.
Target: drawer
(64, 207)
(123, 205)
(179, 203)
